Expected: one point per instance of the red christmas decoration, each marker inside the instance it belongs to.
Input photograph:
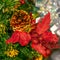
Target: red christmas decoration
(41, 38)
(22, 2)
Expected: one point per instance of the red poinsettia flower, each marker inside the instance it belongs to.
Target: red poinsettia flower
(42, 39)
(22, 38)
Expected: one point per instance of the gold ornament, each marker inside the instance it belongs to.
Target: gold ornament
(39, 58)
(11, 52)
(21, 21)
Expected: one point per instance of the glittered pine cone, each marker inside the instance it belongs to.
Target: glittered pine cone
(21, 21)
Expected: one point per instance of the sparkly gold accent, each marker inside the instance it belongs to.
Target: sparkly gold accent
(11, 52)
(39, 58)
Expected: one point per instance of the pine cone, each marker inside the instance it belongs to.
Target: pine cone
(20, 21)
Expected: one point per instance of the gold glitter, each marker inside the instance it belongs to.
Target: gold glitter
(11, 52)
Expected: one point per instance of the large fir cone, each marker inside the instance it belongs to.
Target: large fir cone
(21, 21)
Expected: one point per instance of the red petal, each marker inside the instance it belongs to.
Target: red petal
(49, 37)
(24, 38)
(14, 38)
(44, 25)
(41, 49)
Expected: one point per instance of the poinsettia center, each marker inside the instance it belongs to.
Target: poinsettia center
(40, 38)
